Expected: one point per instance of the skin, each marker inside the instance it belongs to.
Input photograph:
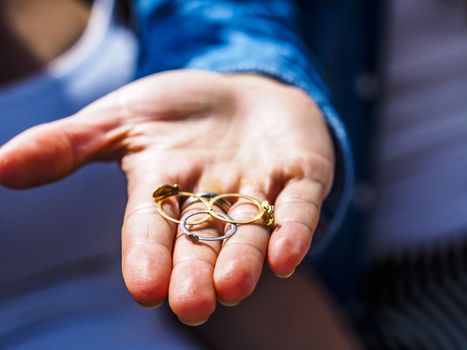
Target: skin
(206, 132)
(37, 31)
(306, 316)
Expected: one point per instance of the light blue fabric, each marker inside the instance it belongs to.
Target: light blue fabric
(244, 36)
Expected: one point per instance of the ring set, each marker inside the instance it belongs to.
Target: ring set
(265, 212)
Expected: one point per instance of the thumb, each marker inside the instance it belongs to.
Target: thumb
(51, 151)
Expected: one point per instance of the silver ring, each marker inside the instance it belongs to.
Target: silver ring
(223, 203)
(195, 238)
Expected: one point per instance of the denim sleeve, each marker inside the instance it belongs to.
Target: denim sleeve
(245, 36)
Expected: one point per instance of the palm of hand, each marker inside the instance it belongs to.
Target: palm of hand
(205, 132)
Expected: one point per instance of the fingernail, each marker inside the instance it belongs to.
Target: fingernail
(226, 303)
(192, 324)
(285, 276)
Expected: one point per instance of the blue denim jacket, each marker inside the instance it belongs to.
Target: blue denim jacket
(245, 36)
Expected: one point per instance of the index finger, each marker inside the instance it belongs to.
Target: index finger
(147, 240)
(147, 237)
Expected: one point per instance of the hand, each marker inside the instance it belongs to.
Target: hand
(205, 132)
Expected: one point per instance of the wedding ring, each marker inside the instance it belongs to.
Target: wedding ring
(195, 238)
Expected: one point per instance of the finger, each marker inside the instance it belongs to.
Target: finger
(147, 237)
(241, 259)
(296, 215)
(49, 152)
(192, 294)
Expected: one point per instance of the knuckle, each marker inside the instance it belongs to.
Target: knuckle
(148, 209)
(244, 211)
(312, 166)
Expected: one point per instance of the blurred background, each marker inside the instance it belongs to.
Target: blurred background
(397, 71)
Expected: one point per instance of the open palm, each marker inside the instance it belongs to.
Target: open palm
(205, 132)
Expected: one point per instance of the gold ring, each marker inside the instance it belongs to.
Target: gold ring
(265, 210)
(164, 192)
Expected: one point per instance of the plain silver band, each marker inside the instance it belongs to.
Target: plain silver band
(195, 238)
